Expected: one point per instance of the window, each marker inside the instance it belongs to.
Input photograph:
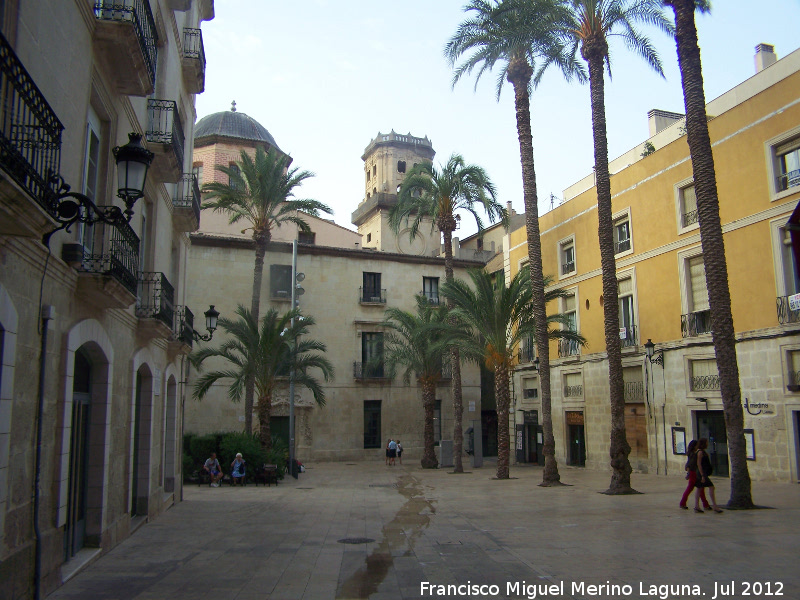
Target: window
(634, 384)
(232, 178)
(374, 170)
(527, 350)
(786, 280)
(437, 422)
(372, 354)
(197, 171)
(573, 385)
(280, 282)
(369, 237)
(566, 256)
(704, 375)
(688, 206)
(430, 289)
(306, 237)
(698, 319)
(367, 174)
(569, 307)
(371, 290)
(401, 166)
(530, 388)
(794, 369)
(372, 423)
(787, 165)
(627, 322)
(622, 235)
(479, 242)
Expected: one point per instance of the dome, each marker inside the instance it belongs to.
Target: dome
(231, 124)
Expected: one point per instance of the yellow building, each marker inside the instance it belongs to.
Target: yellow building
(676, 397)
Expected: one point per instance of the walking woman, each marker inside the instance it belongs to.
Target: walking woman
(691, 477)
(703, 481)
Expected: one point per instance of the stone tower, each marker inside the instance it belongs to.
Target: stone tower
(387, 159)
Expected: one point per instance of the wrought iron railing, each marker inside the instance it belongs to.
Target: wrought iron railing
(137, 12)
(526, 353)
(689, 218)
(368, 370)
(622, 246)
(30, 132)
(187, 194)
(193, 45)
(702, 383)
(529, 393)
(371, 296)
(568, 348)
(568, 267)
(573, 391)
(794, 377)
(634, 391)
(433, 297)
(113, 251)
(788, 180)
(156, 298)
(164, 126)
(630, 337)
(183, 324)
(446, 369)
(696, 323)
(785, 313)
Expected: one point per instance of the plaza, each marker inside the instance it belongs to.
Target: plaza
(432, 526)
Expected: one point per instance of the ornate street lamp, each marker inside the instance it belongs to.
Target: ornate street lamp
(211, 324)
(654, 358)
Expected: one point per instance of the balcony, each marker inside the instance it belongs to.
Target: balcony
(30, 150)
(368, 371)
(567, 267)
(705, 383)
(371, 296)
(573, 391)
(432, 297)
(186, 204)
(126, 41)
(155, 305)
(628, 336)
(530, 393)
(689, 218)
(108, 268)
(786, 314)
(568, 348)
(526, 353)
(182, 327)
(696, 323)
(622, 246)
(634, 391)
(446, 370)
(193, 61)
(206, 9)
(788, 180)
(165, 132)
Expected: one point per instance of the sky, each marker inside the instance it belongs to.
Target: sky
(325, 76)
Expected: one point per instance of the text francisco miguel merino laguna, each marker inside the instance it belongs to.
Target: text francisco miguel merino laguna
(531, 591)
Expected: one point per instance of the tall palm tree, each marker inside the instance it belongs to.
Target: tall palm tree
(500, 318)
(719, 298)
(428, 192)
(260, 193)
(519, 34)
(416, 343)
(593, 22)
(265, 355)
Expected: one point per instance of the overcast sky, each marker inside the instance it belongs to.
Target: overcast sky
(324, 77)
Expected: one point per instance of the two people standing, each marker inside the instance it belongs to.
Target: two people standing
(394, 450)
(698, 469)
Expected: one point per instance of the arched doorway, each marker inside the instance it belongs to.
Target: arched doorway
(170, 436)
(142, 429)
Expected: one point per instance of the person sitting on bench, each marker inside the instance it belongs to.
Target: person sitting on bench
(213, 468)
(237, 470)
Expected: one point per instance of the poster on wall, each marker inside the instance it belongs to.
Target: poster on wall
(679, 440)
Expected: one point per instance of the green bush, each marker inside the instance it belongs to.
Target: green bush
(248, 445)
(201, 447)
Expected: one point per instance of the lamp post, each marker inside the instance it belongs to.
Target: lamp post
(657, 358)
(212, 315)
(297, 290)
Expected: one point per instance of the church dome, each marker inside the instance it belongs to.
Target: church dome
(231, 124)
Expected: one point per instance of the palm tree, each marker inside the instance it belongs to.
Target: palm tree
(265, 356)
(427, 192)
(593, 22)
(417, 343)
(260, 192)
(500, 318)
(518, 34)
(719, 299)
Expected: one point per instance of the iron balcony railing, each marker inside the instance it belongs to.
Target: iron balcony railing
(30, 132)
(183, 324)
(433, 297)
(113, 251)
(785, 313)
(530, 393)
(368, 370)
(788, 180)
(634, 391)
(187, 194)
(568, 267)
(137, 12)
(696, 323)
(622, 246)
(156, 298)
(164, 126)
(629, 338)
(193, 45)
(446, 369)
(690, 218)
(794, 378)
(371, 296)
(526, 353)
(703, 383)
(573, 391)
(568, 348)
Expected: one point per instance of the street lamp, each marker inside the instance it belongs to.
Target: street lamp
(652, 356)
(70, 207)
(211, 324)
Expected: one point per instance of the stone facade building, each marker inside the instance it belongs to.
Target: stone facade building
(93, 330)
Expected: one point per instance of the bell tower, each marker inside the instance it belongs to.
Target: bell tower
(387, 159)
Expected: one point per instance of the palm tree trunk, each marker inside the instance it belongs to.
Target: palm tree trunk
(255, 308)
(619, 449)
(264, 414)
(455, 359)
(519, 75)
(501, 394)
(428, 404)
(719, 299)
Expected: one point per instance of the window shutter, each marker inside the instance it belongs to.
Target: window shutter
(697, 276)
(787, 147)
(569, 303)
(688, 199)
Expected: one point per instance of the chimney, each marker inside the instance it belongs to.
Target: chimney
(509, 209)
(765, 56)
(658, 120)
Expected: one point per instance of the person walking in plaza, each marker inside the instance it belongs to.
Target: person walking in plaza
(691, 477)
(213, 468)
(399, 452)
(392, 451)
(703, 471)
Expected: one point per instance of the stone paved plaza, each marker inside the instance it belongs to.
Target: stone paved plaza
(432, 526)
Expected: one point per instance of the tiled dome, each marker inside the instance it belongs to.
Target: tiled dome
(231, 124)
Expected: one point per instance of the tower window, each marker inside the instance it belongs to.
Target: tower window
(401, 166)
(374, 170)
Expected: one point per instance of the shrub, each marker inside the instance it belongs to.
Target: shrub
(248, 445)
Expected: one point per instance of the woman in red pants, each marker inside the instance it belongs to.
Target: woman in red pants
(691, 477)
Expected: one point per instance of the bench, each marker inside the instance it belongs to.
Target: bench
(267, 474)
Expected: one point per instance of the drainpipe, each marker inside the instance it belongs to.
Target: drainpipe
(48, 312)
